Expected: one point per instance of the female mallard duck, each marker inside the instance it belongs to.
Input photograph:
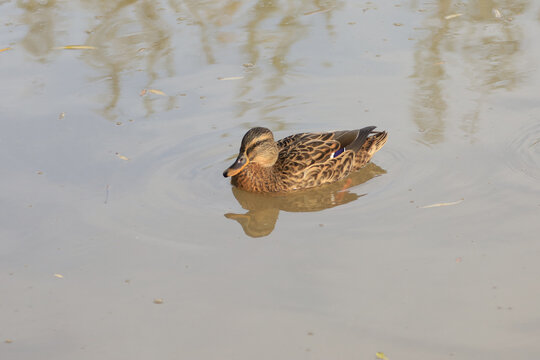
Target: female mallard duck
(303, 160)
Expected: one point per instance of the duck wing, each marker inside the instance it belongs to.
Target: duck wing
(297, 152)
(312, 159)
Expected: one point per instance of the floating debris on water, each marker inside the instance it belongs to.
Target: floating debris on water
(158, 301)
(153, 91)
(496, 13)
(5, 49)
(157, 92)
(442, 204)
(381, 356)
(121, 157)
(76, 47)
(230, 78)
(452, 16)
(318, 11)
(61, 116)
(59, 276)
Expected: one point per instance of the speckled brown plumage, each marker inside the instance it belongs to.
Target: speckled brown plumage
(303, 160)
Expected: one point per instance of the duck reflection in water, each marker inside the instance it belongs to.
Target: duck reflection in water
(263, 209)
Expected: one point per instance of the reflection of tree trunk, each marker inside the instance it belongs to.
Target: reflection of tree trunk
(129, 35)
(120, 49)
(429, 105)
(277, 44)
(39, 40)
(486, 40)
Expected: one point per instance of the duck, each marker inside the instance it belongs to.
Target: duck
(301, 161)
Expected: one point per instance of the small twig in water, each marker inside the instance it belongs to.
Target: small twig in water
(106, 194)
(442, 204)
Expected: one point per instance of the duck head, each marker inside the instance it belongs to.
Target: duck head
(258, 147)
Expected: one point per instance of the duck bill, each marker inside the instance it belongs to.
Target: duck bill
(239, 165)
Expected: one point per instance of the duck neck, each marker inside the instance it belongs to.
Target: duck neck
(258, 178)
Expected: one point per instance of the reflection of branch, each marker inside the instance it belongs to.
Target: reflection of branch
(121, 50)
(39, 40)
(129, 35)
(193, 8)
(490, 53)
(429, 107)
(289, 31)
(262, 10)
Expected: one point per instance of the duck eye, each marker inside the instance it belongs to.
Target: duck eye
(242, 159)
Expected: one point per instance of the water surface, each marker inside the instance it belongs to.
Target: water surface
(112, 155)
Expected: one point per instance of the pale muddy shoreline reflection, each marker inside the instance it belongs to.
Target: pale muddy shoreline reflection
(263, 209)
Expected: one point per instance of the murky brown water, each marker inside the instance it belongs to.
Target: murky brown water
(112, 195)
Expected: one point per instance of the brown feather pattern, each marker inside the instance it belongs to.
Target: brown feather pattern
(304, 160)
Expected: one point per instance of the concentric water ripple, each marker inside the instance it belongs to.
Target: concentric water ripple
(523, 152)
(188, 177)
